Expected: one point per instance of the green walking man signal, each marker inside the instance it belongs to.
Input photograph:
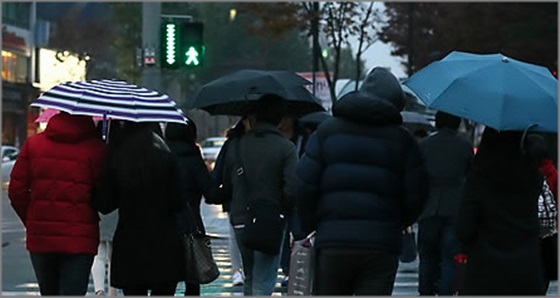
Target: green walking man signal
(181, 45)
(192, 57)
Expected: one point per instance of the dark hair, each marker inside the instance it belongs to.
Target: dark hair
(535, 148)
(137, 159)
(446, 120)
(181, 132)
(500, 159)
(270, 108)
(237, 130)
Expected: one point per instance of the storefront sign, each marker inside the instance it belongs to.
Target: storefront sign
(322, 90)
(12, 40)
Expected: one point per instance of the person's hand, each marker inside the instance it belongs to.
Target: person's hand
(291, 236)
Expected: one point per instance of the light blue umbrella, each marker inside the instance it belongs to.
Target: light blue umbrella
(491, 89)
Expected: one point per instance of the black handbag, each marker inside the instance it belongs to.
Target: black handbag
(408, 249)
(264, 222)
(200, 267)
(264, 227)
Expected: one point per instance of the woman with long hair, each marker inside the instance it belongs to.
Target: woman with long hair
(141, 181)
(195, 181)
(498, 221)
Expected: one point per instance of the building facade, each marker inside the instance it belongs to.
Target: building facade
(18, 72)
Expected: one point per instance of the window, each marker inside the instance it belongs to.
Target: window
(16, 14)
(14, 67)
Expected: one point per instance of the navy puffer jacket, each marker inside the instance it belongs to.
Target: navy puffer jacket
(362, 178)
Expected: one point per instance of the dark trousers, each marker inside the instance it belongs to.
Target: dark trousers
(167, 289)
(437, 245)
(62, 274)
(192, 289)
(346, 272)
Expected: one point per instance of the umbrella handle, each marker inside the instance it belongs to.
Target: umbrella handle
(524, 136)
(104, 127)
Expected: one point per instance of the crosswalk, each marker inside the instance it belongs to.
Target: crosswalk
(406, 283)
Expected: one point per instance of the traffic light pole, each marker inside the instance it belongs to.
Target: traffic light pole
(151, 17)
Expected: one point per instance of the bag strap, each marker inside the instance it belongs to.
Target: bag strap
(190, 212)
(240, 169)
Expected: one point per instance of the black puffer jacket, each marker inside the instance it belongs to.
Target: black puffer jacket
(362, 176)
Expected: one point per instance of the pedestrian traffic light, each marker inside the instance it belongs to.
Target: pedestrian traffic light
(170, 45)
(192, 50)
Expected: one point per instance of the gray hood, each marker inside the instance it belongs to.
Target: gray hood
(382, 84)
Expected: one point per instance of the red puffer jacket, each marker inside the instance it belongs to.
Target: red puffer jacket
(51, 186)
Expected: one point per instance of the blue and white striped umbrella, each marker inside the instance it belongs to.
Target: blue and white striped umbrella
(112, 99)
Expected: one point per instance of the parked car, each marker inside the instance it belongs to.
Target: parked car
(211, 148)
(6, 172)
(9, 153)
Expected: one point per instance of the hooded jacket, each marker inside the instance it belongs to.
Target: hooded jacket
(362, 177)
(269, 161)
(51, 186)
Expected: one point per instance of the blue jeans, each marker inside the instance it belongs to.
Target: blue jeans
(437, 245)
(62, 274)
(261, 269)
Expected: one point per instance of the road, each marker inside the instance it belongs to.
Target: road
(18, 278)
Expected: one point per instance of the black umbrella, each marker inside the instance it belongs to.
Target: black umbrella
(312, 120)
(235, 93)
(414, 121)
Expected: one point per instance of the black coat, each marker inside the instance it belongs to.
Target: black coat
(363, 178)
(448, 158)
(218, 175)
(269, 161)
(146, 246)
(498, 220)
(195, 182)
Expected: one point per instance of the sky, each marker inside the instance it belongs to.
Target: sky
(379, 54)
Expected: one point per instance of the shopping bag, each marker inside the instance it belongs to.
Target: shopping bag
(302, 267)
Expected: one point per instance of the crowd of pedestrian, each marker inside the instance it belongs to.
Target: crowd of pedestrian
(357, 181)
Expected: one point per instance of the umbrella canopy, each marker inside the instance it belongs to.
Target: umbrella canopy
(112, 99)
(414, 121)
(46, 115)
(415, 118)
(234, 93)
(491, 89)
(314, 119)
